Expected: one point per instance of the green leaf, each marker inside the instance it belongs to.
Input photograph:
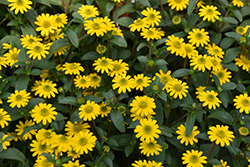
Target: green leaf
(36, 72)
(206, 151)
(31, 15)
(190, 122)
(192, 19)
(191, 6)
(118, 120)
(229, 86)
(234, 150)
(224, 2)
(128, 8)
(34, 102)
(108, 159)
(230, 20)
(125, 21)
(226, 42)
(93, 98)
(56, 45)
(22, 82)
(143, 59)
(119, 41)
(159, 112)
(222, 116)
(112, 142)
(180, 73)
(214, 162)
(45, 64)
(237, 14)
(28, 129)
(166, 131)
(77, 18)
(13, 23)
(5, 2)
(72, 37)
(110, 6)
(13, 154)
(231, 66)
(108, 95)
(162, 95)
(92, 55)
(44, 2)
(160, 62)
(224, 99)
(60, 117)
(20, 71)
(128, 149)
(145, 3)
(67, 100)
(231, 54)
(141, 45)
(233, 35)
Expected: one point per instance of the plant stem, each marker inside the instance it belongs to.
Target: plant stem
(134, 44)
(238, 119)
(208, 78)
(32, 64)
(83, 37)
(178, 120)
(91, 156)
(212, 150)
(162, 11)
(169, 111)
(199, 24)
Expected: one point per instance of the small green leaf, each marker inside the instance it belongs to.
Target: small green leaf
(13, 154)
(231, 54)
(224, 99)
(123, 9)
(92, 55)
(119, 41)
(160, 62)
(191, 6)
(159, 112)
(224, 2)
(145, 3)
(143, 59)
(190, 122)
(110, 6)
(125, 21)
(214, 162)
(56, 45)
(166, 131)
(112, 142)
(162, 95)
(44, 2)
(93, 98)
(180, 73)
(233, 35)
(141, 45)
(128, 149)
(22, 82)
(237, 14)
(31, 15)
(231, 66)
(230, 20)
(45, 64)
(108, 95)
(222, 116)
(229, 86)
(226, 42)
(72, 37)
(36, 72)
(67, 100)
(118, 120)
(34, 102)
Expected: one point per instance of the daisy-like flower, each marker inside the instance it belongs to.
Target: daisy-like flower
(193, 158)
(60, 20)
(60, 51)
(177, 88)
(141, 81)
(101, 49)
(153, 16)
(103, 64)
(176, 20)
(19, 5)
(43, 113)
(109, 25)
(221, 135)
(37, 50)
(178, 4)
(243, 61)
(123, 83)
(82, 81)
(89, 111)
(4, 117)
(38, 148)
(22, 126)
(73, 164)
(45, 136)
(152, 33)
(117, 31)
(199, 90)
(88, 11)
(201, 62)
(243, 131)
(209, 13)
(147, 130)
(95, 80)
(242, 102)
(187, 139)
(42, 161)
(139, 24)
(210, 99)
(28, 40)
(189, 51)
(76, 127)
(54, 36)
(72, 153)
(62, 143)
(238, 3)
(45, 88)
(150, 148)
(164, 78)
(104, 109)
(215, 50)
(143, 106)
(19, 99)
(120, 68)
(46, 24)
(223, 75)
(198, 37)
(95, 27)
(6, 143)
(84, 142)
(224, 164)
(140, 163)
(216, 63)
(241, 30)
(175, 45)
(154, 164)
(12, 56)
(72, 68)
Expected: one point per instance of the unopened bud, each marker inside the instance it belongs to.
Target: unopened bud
(106, 149)
(176, 20)
(243, 40)
(61, 90)
(243, 131)
(132, 142)
(27, 62)
(104, 138)
(113, 99)
(155, 87)
(166, 146)
(151, 63)
(122, 109)
(221, 19)
(220, 89)
(81, 100)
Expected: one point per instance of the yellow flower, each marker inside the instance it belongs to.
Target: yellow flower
(243, 131)
(109, 25)
(224, 164)
(123, 83)
(20, 5)
(193, 158)
(178, 4)
(104, 109)
(45, 88)
(4, 117)
(140, 163)
(95, 27)
(89, 111)
(84, 142)
(215, 50)
(46, 24)
(189, 50)
(187, 139)
(153, 16)
(177, 88)
(209, 13)
(141, 81)
(95, 80)
(147, 130)
(165, 78)
(60, 51)
(143, 106)
(209, 98)
(22, 126)
(150, 148)
(76, 127)
(57, 34)
(42, 161)
(88, 11)
(6, 142)
(7, 46)
(72, 68)
(216, 63)
(12, 56)
(241, 30)
(220, 134)
(60, 20)
(37, 50)
(120, 68)
(38, 148)
(139, 24)
(73, 154)
(242, 102)
(176, 45)
(201, 62)
(154, 164)
(19, 99)
(199, 90)
(117, 31)
(62, 143)
(238, 3)
(73, 164)
(101, 49)
(152, 33)
(223, 75)
(82, 81)
(28, 40)
(43, 113)
(243, 61)
(103, 64)
(198, 37)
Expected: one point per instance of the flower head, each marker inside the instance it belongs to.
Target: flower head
(103, 64)
(37, 50)
(89, 111)
(198, 37)
(150, 148)
(95, 27)
(177, 88)
(176, 45)
(238, 3)
(209, 13)
(82, 81)
(12, 56)
(152, 33)
(215, 50)
(72, 68)
(45, 88)
(43, 113)
(242, 102)
(243, 131)
(139, 24)
(76, 127)
(45, 23)
(143, 106)
(20, 5)
(201, 62)
(4, 117)
(22, 126)
(187, 139)
(88, 11)
(123, 83)
(141, 81)
(19, 99)
(120, 68)
(178, 4)
(223, 75)
(193, 158)
(152, 16)
(95, 80)
(209, 98)
(84, 142)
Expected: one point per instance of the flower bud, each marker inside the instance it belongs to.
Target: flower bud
(81, 100)
(166, 146)
(151, 63)
(221, 19)
(191, 72)
(61, 90)
(186, 30)
(243, 131)
(106, 149)
(104, 138)
(113, 99)
(194, 105)
(176, 20)
(243, 40)
(122, 109)
(242, 122)
(27, 62)
(155, 87)
(220, 89)
(132, 142)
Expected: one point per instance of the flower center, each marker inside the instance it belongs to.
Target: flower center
(83, 141)
(194, 158)
(47, 135)
(117, 67)
(147, 129)
(215, 62)
(72, 66)
(42, 147)
(164, 79)
(150, 145)
(88, 11)
(210, 98)
(221, 134)
(139, 81)
(150, 32)
(245, 60)
(143, 104)
(216, 51)
(138, 22)
(96, 26)
(46, 24)
(151, 16)
(178, 1)
(245, 102)
(63, 139)
(19, 2)
(88, 109)
(19, 97)
(198, 36)
(104, 63)
(44, 112)
(220, 75)
(94, 79)
(14, 56)
(46, 88)
(123, 82)
(188, 49)
(104, 109)
(177, 44)
(77, 128)
(30, 41)
(82, 81)
(177, 87)
(201, 60)
(210, 12)
(58, 20)
(37, 49)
